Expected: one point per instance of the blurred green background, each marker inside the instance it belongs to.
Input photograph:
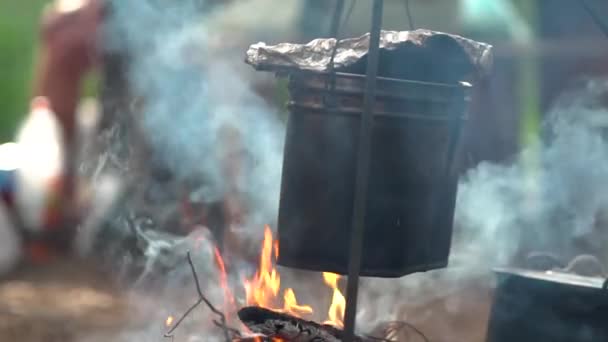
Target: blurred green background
(18, 35)
(19, 25)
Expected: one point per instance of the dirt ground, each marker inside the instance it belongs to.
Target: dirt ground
(74, 302)
(460, 317)
(66, 301)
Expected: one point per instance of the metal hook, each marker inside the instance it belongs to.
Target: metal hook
(329, 100)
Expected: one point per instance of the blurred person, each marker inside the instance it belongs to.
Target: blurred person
(68, 51)
(41, 187)
(10, 243)
(10, 239)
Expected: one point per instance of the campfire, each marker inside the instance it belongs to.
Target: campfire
(264, 289)
(410, 224)
(422, 101)
(361, 181)
(267, 302)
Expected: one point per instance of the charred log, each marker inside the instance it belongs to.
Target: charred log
(286, 327)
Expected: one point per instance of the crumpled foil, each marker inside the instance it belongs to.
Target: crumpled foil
(316, 55)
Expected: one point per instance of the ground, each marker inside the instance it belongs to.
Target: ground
(74, 302)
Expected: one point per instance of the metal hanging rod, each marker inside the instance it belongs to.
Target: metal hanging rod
(362, 174)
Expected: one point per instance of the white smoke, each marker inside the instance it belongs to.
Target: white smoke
(194, 94)
(199, 109)
(550, 198)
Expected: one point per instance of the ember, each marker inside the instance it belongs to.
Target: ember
(169, 321)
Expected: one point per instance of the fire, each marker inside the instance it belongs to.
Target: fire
(228, 296)
(291, 304)
(169, 321)
(274, 339)
(264, 287)
(263, 290)
(338, 302)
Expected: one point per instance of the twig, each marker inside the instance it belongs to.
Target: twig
(410, 20)
(597, 19)
(379, 339)
(235, 332)
(400, 325)
(202, 299)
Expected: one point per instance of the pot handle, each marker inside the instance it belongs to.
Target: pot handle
(543, 261)
(588, 259)
(329, 100)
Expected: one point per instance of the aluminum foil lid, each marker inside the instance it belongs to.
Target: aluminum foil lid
(405, 47)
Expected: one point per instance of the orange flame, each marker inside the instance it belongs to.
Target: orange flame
(290, 304)
(169, 321)
(274, 339)
(263, 290)
(265, 285)
(338, 302)
(228, 296)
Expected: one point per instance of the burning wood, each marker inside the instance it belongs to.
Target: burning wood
(282, 323)
(280, 327)
(276, 326)
(285, 327)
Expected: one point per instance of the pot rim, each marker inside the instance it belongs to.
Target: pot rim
(554, 276)
(460, 84)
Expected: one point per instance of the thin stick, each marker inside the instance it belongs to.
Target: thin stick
(400, 326)
(349, 12)
(202, 299)
(232, 330)
(362, 173)
(597, 19)
(410, 20)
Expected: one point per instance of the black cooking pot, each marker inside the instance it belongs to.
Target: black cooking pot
(548, 306)
(412, 185)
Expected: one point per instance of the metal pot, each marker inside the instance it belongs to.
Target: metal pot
(412, 185)
(548, 306)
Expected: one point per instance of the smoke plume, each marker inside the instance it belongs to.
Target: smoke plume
(198, 111)
(550, 198)
(193, 95)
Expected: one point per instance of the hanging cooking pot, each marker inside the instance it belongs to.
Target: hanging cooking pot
(551, 306)
(412, 184)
